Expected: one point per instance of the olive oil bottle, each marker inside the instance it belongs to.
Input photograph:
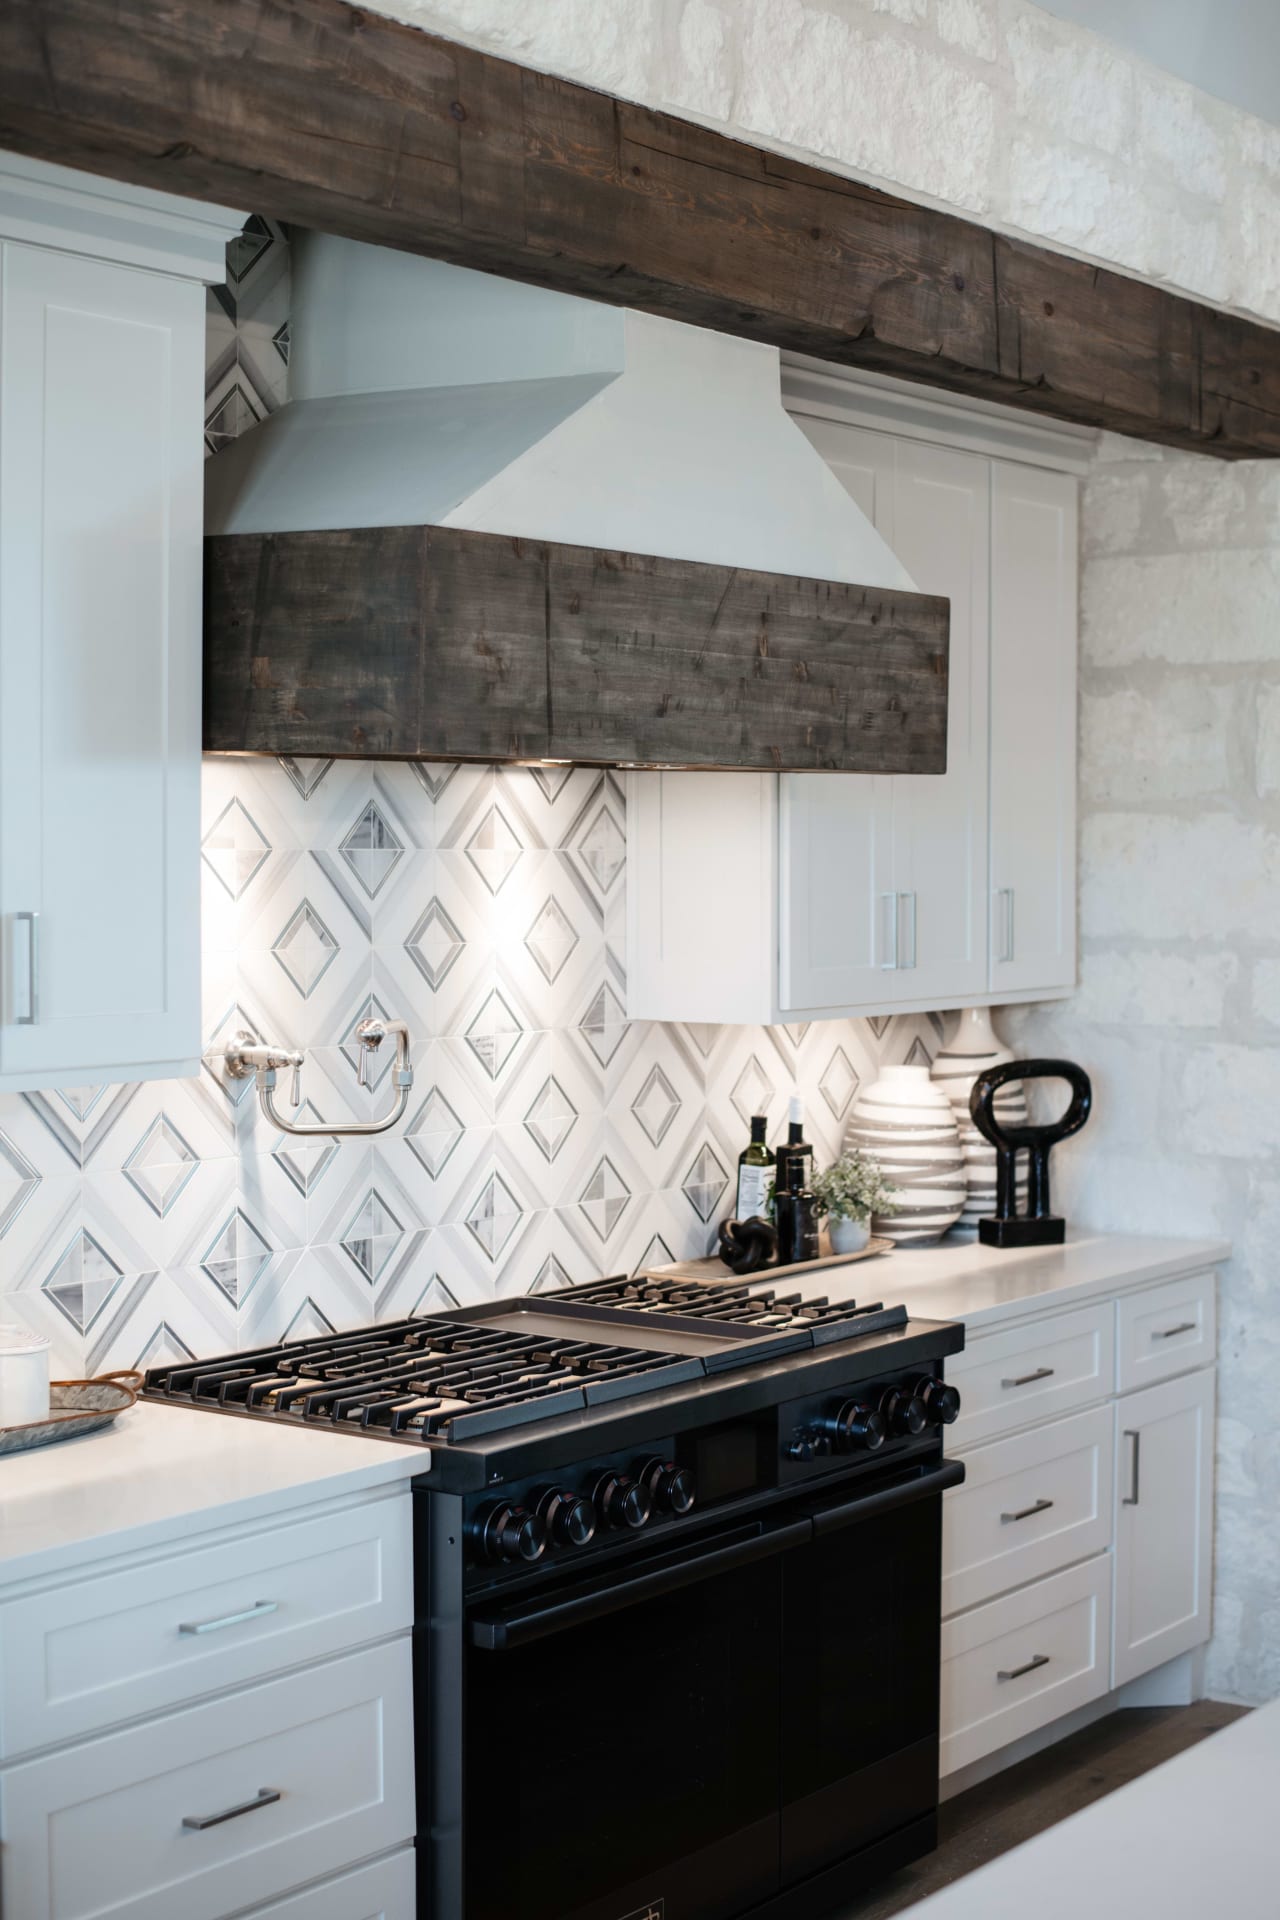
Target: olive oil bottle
(755, 1172)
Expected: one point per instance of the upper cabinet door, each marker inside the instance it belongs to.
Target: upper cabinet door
(838, 927)
(941, 534)
(101, 378)
(1033, 728)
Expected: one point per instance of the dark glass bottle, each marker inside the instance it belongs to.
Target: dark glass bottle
(795, 1157)
(803, 1224)
(755, 1172)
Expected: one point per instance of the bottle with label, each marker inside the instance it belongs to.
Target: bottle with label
(755, 1172)
(795, 1157)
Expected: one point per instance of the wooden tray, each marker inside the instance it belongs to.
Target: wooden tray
(714, 1269)
(75, 1406)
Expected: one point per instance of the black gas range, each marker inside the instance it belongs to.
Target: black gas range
(678, 1567)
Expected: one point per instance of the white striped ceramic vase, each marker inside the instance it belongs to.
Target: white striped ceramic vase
(906, 1123)
(972, 1048)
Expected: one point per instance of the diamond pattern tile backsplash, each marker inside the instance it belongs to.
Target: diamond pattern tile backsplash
(547, 1137)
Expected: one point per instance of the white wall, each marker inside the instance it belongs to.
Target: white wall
(994, 107)
(1228, 47)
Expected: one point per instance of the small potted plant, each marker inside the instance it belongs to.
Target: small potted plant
(848, 1194)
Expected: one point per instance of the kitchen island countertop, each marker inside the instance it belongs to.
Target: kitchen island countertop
(1187, 1839)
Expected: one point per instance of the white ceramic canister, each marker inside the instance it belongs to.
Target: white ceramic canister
(906, 1123)
(24, 1377)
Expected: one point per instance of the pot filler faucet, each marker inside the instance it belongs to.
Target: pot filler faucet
(246, 1057)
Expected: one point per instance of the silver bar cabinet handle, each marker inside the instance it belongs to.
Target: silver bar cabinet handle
(1004, 897)
(889, 917)
(1016, 1673)
(1025, 1513)
(1135, 1483)
(264, 1797)
(1167, 1333)
(32, 1014)
(1025, 1379)
(909, 901)
(258, 1611)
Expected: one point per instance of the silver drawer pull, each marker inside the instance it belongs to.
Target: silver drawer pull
(1016, 1673)
(1025, 1513)
(1167, 1333)
(258, 1611)
(1025, 1379)
(1134, 1495)
(264, 1797)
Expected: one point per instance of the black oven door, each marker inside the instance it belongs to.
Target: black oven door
(623, 1737)
(861, 1626)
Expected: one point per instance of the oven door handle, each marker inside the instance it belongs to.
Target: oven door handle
(515, 1628)
(899, 1493)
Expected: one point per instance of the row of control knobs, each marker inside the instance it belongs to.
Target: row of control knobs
(863, 1426)
(558, 1516)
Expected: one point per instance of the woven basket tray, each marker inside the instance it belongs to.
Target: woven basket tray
(75, 1407)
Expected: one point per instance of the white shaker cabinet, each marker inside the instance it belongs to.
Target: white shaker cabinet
(761, 898)
(1033, 728)
(102, 322)
(1164, 1522)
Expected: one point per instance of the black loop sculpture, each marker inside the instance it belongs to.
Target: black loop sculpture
(748, 1245)
(1037, 1227)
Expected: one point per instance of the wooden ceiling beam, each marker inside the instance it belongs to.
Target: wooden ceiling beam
(317, 112)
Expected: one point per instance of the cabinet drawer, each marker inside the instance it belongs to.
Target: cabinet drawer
(295, 1778)
(1166, 1330)
(380, 1890)
(86, 1656)
(1035, 1372)
(1018, 1663)
(1028, 1506)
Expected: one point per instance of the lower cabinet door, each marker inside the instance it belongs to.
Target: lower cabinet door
(220, 1807)
(379, 1890)
(1018, 1663)
(1164, 1523)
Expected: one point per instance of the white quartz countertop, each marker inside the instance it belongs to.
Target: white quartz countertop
(983, 1286)
(1193, 1837)
(160, 1473)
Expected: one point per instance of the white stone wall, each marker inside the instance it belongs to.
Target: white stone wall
(994, 107)
(1178, 1013)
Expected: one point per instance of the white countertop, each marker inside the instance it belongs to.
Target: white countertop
(983, 1286)
(160, 1473)
(1191, 1838)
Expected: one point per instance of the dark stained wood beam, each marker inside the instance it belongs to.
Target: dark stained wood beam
(317, 112)
(437, 643)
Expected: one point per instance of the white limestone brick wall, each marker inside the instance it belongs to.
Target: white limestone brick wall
(993, 107)
(1178, 1013)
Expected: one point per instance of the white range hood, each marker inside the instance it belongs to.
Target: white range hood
(427, 394)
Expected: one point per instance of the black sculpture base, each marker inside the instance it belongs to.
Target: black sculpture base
(1022, 1230)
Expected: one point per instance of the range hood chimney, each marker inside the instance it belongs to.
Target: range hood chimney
(504, 523)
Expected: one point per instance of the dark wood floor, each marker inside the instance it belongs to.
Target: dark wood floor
(988, 1820)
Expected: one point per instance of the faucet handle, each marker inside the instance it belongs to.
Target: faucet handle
(295, 1084)
(369, 1036)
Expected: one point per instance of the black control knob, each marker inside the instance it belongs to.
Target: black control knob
(621, 1502)
(903, 1410)
(941, 1403)
(855, 1428)
(671, 1487)
(506, 1532)
(569, 1518)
